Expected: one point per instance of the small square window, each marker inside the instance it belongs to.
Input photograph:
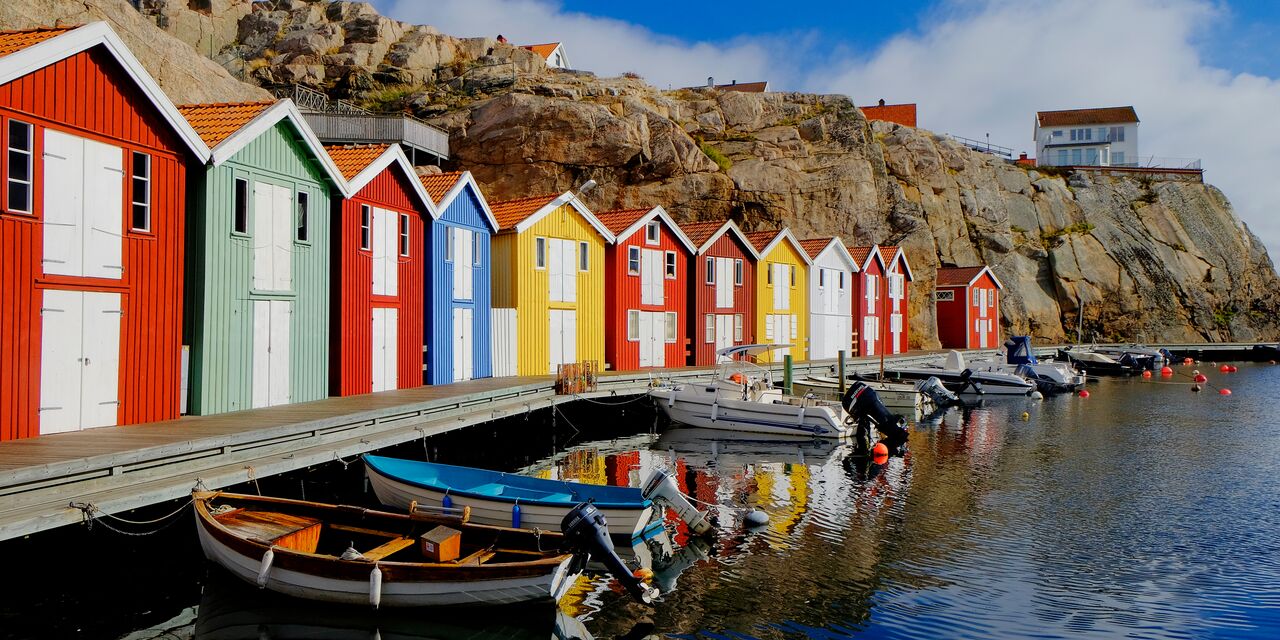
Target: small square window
(366, 227)
(671, 320)
(240, 215)
(404, 235)
(540, 253)
(584, 256)
(303, 211)
(651, 233)
(633, 261)
(671, 265)
(140, 185)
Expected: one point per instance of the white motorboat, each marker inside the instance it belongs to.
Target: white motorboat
(1048, 376)
(957, 376)
(742, 397)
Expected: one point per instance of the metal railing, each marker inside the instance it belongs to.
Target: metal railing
(310, 100)
(1051, 159)
(983, 146)
(368, 128)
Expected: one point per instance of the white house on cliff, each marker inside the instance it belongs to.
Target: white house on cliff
(1106, 137)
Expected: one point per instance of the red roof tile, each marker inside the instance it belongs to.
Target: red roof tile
(814, 246)
(353, 158)
(1103, 115)
(700, 232)
(761, 239)
(544, 50)
(618, 221)
(438, 184)
(903, 114)
(510, 213)
(860, 254)
(216, 122)
(951, 276)
(14, 41)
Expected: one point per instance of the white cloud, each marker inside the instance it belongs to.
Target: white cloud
(974, 68)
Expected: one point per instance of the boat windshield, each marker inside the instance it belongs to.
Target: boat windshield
(743, 371)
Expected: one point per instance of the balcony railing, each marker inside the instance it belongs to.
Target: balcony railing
(342, 122)
(1051, 159)
(985, 147)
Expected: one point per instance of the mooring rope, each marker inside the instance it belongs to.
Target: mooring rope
(638, 398)
(90, 514)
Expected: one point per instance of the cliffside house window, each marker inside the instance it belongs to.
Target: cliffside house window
(404, 234)
(1117, 134)
(303, 202)
(540, 253)
(711, 270)
(19, 172)
(1117, 158)
(1062, 156)
(584, 256)
(737, 272)
(633, 261)
(671, 265)
(1077, 156)
(366, 222)
(240, 206)
(651, 233)
(140, 186)
(1057, 133)
(1081, 135)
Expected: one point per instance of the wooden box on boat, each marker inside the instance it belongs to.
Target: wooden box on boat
(441, 544)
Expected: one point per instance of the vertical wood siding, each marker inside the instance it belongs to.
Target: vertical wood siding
(221, 310)
(463, 212)
(904, 309)
(703, 298)
(831, 260)
(351, 342)
(90, 96)
(952, 318)
(784, 253)
(622, 293)
(861, 308)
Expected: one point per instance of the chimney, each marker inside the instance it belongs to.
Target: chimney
(882, 102)
(734, 82)
(711, 82)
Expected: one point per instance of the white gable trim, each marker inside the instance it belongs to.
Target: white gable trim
(660, 213)
(785, 233)
(61, 47)
(457, 189)
(572, 200)
(730, 227)
(837, 245)
(283, 109)
(906, 266)
(875, 253)
(987, 270)
(393, 155)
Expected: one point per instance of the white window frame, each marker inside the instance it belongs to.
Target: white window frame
(711, 328)
(240, 206)
(633, 325)
(737, 327)
(768, 273)
(633, 261)
(366, 227)
(448, 244)
(671, 267)
(302, 214)
(670, 319)
(738, 272)
(404, 235)
(539, 253)
(584, 257)
(29, 152)
(145, 202)
(475, 249)
(711, 270)
(652, 233)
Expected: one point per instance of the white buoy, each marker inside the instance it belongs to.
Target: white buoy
(1036, 395)
(375, 586)
(755, 518)
(265, 569)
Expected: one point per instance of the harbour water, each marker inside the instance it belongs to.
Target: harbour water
(1145, 510)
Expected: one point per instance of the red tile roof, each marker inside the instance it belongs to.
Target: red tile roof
(14, 41)
(860, 254)
(952, 276)
(814, 246)
(618, 221)
(438, 184)
(903, 114)
(510, 213)
(353, 158)
(761, 239)
(1103, 115)
(216, 122)
(700, 232)
(544, 50)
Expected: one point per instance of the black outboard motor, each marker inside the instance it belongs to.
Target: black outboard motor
(864, 406)
(587, 531)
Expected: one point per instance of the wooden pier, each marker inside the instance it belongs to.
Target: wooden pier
(116, 469)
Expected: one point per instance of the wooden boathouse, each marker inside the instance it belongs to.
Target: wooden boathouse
(782, 294)
(92, 207)
(897, 285)
(868, 306)
(721, 289)
(830, 297)
(967, 300)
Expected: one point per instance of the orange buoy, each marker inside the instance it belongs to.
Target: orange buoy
(1166, 371)
(880, 450)
(1146, 374)
(1084, 393)
(1188, 361)
(1224, 368)
(1200, 377)
(1224, 392)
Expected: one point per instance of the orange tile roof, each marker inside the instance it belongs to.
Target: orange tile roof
(761, 239)
(814, 246)
(1103, 115)
(951, 276)
(544, 50)
(14, 41)
(903, 114)
(510, 213)
(860, 254)
(700, 232)
(353, 158)
(438, 184)
(618, 221)
(216, 122)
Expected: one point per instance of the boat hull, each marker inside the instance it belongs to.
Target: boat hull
(908, 399)
(681, 404)
(952, 381)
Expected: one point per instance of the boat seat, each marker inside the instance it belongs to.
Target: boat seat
(500, 490)
(277, 529)
(387, 548)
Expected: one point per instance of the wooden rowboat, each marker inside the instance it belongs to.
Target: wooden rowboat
(493, 496)
(298, 548)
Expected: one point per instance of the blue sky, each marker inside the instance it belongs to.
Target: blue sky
(1202, 74)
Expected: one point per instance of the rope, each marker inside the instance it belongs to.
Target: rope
(556, 409)
(90, 514)
(638, 398)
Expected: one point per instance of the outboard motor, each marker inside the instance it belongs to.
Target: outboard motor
(939, 393)
(661, 488)
(864, 407)
(587, 531)
(668, 568)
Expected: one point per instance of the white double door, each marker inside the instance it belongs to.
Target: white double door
(652, 277)
(463, 348)
(562, 270)
(780, 328)
(724, 275)
(830, 335)
(79, 360)
(724, 331)
(272, 331)
(870, 335)
(385, 348)
(83, 207)
(653, 339)
(273, 233)
(562, 341)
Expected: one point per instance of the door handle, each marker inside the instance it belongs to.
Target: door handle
(86, 362)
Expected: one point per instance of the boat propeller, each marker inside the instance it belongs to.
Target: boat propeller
(587, 532)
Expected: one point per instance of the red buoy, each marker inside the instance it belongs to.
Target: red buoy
(1084, 393)
(880, 449)
(1224, 392)
(1224, 368)
(1146, 374)
(1188, 361)
(1234, 368)
(1200, 377)
(1166, 371)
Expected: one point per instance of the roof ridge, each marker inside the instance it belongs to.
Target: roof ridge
(246, 103)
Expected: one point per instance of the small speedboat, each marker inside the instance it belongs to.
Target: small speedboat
(957, 376)
(1145, 358)
(742, 397)
(1094, 363)
(352, 555)
(1048, 376)
(504, 499)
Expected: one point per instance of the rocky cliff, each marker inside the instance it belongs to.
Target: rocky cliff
(1134, 258)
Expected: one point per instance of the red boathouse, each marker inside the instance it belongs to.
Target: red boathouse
(967, 300)
(869, 301)
(646, 303)
(379, 268)
(722, 289)
(897, 285)
(92, 205)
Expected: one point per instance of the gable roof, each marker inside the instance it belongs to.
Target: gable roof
(216, 122)
(545, 50)
(896, 253)
(765, 241)
(23, 52)
(444, 188)
(816, 246)
(622, 223)
(1102, 115)
(863, 256)
(964, 276)
(704, 234)
(522, 213)
(745, 87)
(361, 163)
(233, 141)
